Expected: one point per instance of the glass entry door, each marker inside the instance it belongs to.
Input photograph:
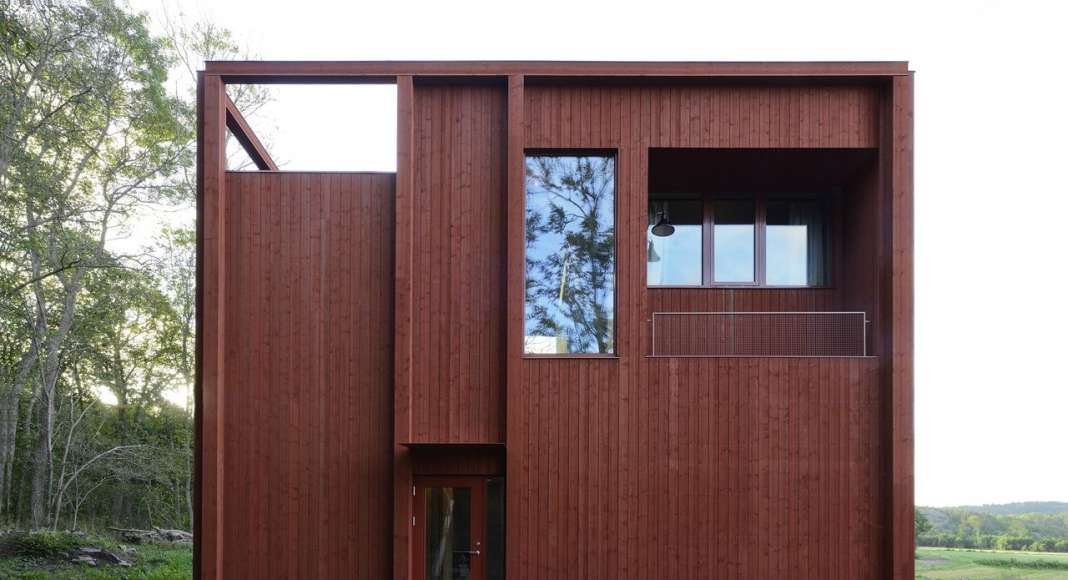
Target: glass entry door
(452, 523)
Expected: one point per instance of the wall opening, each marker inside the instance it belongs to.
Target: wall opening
(331, 127)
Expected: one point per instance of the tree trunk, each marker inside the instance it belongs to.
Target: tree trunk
(42, 458)
(42, 453)
(9, 420)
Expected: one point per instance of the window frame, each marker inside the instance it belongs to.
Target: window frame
(829, 201)
(576, 152)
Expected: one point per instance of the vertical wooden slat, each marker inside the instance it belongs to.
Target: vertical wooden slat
(901, 330)
(518, 396)
(211, 323)
(403, 327)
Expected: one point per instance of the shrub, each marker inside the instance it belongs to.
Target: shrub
(1028, 564)
(43, 544)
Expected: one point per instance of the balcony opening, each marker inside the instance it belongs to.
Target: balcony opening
(746, 217)
(762, 252)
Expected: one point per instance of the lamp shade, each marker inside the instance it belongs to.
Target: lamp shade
(662, 228)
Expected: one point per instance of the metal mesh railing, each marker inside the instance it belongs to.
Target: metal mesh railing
(759, 334)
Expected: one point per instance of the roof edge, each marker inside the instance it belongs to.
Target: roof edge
(386, 68)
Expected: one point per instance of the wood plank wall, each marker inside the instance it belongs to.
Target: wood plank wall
(694, 116)
(616, 468)
(308, 389)
(735, 468)
(744, 300)
(898, 148)
(458, 263)
(696, 468)
(861, 287)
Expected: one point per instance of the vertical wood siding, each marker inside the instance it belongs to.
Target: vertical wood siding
(696, 468)
(630, 467)
(210, 346)
(308, 386)
(760, 117)
(458, 264)
(862, 287)
(744, 300)
(899, 150)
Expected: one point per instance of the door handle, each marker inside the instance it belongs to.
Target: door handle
(476, 552)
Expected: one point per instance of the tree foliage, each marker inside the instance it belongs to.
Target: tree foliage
(963, 528)
(96, 340)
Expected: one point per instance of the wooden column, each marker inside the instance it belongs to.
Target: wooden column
(516, 245)
(402, 367)
(902, 551)
(211, 324)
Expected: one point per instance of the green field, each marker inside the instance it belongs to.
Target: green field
(979, 564)
(174, 562)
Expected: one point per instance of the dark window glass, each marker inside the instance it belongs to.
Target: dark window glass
(674, 243)
(796, 248)
(448, 533)
(733, 241)
(494, 545)
(570, 254)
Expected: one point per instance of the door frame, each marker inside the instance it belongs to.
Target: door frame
(477, 483)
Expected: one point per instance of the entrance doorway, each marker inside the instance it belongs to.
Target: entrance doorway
(459, 528)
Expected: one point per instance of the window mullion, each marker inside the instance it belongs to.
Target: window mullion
(706, 243)
(760, 233)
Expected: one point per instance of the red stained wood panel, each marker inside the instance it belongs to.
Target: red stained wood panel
(759, 334)
(702, 116)
(626, 467)
(744, 299)
(458, 263)
(308, 383)
(402, 348)
(642, 467)
(211, 319)
(863, 283)
(899, 150)
(697, 468)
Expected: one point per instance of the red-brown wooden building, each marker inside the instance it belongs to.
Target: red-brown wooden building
(606, 320)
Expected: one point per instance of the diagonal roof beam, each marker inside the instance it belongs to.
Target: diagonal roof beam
(241, 130)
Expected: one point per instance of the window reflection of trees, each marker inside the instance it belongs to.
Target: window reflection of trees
(570, 253)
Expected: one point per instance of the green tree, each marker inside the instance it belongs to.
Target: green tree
(93, 137)
(923, 525)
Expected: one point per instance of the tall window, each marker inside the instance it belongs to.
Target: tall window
(751, 241)
(570, 254)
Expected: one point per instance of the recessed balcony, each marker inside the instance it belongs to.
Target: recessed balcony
(763, 252)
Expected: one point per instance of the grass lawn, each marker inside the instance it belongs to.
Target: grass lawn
(175, 562)
(978, 564)
(39, 559)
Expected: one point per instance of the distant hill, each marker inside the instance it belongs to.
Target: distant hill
(1010, 509)
(1038, 526)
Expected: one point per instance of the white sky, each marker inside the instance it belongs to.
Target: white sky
(991, 204)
